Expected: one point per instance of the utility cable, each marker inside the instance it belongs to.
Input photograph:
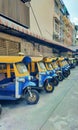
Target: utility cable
(36, 20)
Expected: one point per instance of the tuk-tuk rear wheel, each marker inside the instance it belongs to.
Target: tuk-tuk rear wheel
(48, 86)
(32, 98)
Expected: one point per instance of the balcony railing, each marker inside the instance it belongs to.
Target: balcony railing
(66, 20)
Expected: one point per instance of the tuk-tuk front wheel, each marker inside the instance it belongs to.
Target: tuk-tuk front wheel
(65, 74)
(60, 77)
(32, 97)
(55, 81)
(48, 86)
(69, 72)
(0, 109)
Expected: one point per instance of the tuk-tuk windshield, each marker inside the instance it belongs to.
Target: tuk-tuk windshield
(49, 66)
(42, 66)
(64, 62)
(72, 61)
(54, 65)
(21, 68)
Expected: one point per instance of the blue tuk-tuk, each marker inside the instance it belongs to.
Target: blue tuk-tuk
(57, 69)
(39, 74)
(51, 72)
(72, 62)
(15, 80)
(62, 63)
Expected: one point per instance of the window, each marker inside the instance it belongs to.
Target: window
(42, 66)
(56, 26)
(56, 7)
(49, 66)
(54, 65)
(3, 66)
(21, 68)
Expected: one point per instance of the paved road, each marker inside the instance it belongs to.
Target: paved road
(56, 111)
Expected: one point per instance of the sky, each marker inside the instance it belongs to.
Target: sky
(72, 7)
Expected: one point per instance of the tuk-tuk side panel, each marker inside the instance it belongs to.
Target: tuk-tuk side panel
(6, 80)
(41, 79)
(20, 85)
(7, 90)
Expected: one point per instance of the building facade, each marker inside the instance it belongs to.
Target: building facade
(10, 12)
(53, 19)
(14, 26)
(30, 28)
(76, 35)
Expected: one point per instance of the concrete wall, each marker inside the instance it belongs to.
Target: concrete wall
(11, 45)
(43, 11)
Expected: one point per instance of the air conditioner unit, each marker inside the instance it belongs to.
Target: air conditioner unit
(24, 1)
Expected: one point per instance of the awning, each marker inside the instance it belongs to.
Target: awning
(9, 26)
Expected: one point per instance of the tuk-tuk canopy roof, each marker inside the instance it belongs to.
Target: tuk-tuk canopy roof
(54, 58)
(61, 58)
(47, 59)
(11, 59)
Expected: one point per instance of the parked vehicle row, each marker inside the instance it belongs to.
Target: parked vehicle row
(72, 62)
(25, 76)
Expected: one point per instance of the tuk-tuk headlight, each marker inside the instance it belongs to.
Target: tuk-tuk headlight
(30, 77)
(66, 69)
(21, 80)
